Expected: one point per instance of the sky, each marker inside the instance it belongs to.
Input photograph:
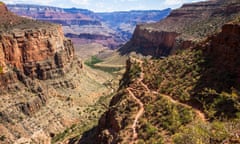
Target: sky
(107, 5)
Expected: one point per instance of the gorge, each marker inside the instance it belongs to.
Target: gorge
(180, 83)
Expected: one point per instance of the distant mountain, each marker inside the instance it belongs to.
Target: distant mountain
(84, 26)
(124, 22)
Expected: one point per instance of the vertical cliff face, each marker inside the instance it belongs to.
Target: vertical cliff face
(150, 42)
(36, 52)
(222, 50)
(224, 47)
(182, 28)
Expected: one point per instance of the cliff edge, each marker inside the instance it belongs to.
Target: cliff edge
(183, 28)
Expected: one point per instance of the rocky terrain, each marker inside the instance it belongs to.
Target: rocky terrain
(47, 95)
(186, 91)
(84, 26)
(182, 28)
(191, 96)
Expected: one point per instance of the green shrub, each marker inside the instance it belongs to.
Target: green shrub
(219, 132)
(2, 138)
(193, 134)
(134, 71)
(94, 60)
(150, 130)
(1, 69)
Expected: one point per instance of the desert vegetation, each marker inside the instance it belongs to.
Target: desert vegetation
(91, 62)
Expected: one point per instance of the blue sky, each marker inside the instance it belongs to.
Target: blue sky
(108, 5)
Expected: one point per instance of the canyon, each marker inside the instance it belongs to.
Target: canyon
(84, 26)
(180, 84)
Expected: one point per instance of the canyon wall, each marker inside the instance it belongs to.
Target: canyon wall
(182, 29)
(36, 63)
(38, 52)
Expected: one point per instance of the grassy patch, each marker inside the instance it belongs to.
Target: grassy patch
(94, 60)
(73, 131)
(108, 69)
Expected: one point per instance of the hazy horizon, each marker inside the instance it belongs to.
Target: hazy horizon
(107, 5)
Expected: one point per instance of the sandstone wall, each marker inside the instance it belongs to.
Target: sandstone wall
(183, 28)
(38, 52)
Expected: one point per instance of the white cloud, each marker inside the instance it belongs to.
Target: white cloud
(173, 2)
(107, 5)
(178, 3)
(128, 0)
(80, 2)
(43, 2)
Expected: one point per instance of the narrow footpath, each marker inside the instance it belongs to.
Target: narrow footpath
(200, 114)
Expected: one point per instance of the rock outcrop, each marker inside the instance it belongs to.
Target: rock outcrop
(39, 53)
(223, 51)
(182, 28)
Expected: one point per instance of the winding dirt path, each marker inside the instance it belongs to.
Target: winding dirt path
(141, 105)
(200, 114)
(139, 114)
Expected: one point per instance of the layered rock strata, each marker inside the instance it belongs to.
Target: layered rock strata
(183, 28)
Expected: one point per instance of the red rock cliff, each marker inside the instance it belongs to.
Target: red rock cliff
(182, 28)
(35, 49)
(223, 51)
(31, 52)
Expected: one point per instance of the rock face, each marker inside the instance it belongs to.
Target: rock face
(223, 50)
(39, 53)
(155, 43)
(225, 46)
(84, 26)
(35, 62)
(182, 28)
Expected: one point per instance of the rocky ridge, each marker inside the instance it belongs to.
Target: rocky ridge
(182, 28)
(194, 93)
